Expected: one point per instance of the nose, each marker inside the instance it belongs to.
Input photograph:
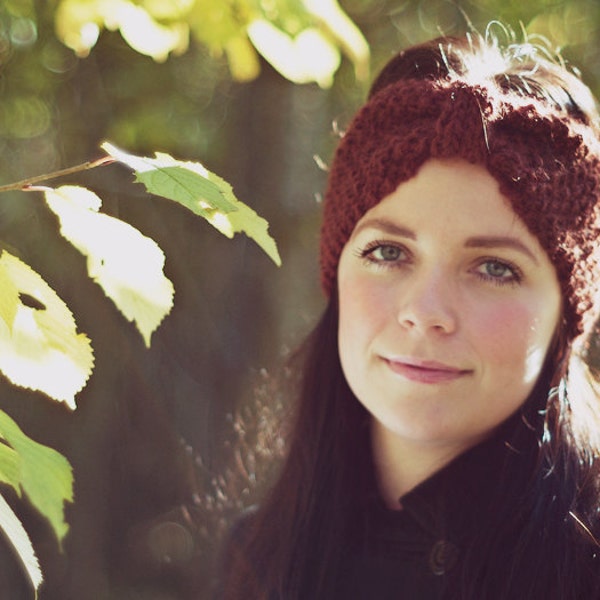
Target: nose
(427, 302)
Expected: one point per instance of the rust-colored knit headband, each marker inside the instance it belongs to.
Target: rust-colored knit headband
(546, 163)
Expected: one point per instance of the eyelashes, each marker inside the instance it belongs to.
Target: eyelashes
(391, 255)
(382, 252)
(500, 272)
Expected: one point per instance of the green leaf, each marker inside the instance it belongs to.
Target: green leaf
(17, 536)
(10, 467)
(186, 186)
(45, 475)
(43, 339)
(127, 265)
(204, 193)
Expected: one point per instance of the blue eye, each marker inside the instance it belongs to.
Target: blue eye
(383, 253)
(499, 272)
(386, 253)
(497, 269)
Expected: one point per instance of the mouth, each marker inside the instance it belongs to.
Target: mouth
(425, 371)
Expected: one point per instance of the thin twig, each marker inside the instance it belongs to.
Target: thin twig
(30, 181)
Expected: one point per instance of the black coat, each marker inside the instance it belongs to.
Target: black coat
(418, 553)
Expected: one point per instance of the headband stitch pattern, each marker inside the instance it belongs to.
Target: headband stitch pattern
(546, 164)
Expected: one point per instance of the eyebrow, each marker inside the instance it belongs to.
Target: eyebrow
(486, 241)
(501, 242)
(385, 226)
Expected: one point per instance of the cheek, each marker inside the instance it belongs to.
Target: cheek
(361, 315)
(515, 338)
(363, 306)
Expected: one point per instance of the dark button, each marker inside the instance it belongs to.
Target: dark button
(443, 557)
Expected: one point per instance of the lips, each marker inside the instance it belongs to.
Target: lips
(425, 371)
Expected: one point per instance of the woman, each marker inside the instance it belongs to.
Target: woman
(446, 441)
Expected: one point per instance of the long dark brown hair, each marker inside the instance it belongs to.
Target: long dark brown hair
(541, 539)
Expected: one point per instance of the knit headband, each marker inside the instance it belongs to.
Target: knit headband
(545, 161)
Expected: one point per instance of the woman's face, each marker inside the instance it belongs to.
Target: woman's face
(447, 307)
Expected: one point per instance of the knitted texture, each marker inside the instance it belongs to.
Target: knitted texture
(546, 164)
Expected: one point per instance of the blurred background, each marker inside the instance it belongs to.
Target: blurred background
(165, 442)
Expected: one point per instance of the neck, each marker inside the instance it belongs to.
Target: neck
(402, 464)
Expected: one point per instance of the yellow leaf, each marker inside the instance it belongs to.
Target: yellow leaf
(78, 22)
(168, 9)
(9, 298)
(309, 56)
(242, 58)
(214, 24)
(149, 37)
(43, 351)
(345, 31)
(127, 265)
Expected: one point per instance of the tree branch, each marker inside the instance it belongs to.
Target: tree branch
(25, 183)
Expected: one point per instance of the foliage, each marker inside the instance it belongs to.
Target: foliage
(39, 337)
(38, 334)
(303, 40)
(44, 476)
(204, 193)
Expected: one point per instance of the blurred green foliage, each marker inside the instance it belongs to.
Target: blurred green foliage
(57, 105)
(152, 427)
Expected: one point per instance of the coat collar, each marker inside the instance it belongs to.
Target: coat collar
(451, 503)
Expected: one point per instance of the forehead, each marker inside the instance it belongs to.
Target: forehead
(453, 196)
